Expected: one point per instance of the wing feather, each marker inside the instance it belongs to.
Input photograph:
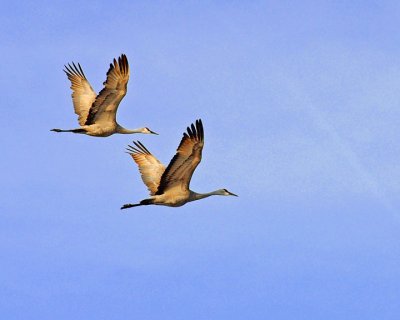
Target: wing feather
(83, 94)
(180, 170)
(151, 169)
(105, 106)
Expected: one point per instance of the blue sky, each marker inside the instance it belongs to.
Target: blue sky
(301, 112)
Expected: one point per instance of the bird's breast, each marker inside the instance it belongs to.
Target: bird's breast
(100, 130)
(173, 199)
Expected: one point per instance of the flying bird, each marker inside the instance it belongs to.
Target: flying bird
(170, 186)
(97, 113)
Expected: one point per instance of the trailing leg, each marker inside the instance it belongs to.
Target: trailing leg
(144, 202)
(72, 130)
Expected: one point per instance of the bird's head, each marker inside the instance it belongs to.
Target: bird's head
(148, 131)
(224, 192)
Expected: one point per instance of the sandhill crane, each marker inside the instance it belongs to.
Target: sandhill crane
(170, 187)
(97, 114)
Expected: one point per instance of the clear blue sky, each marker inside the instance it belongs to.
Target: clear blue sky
(301, 109)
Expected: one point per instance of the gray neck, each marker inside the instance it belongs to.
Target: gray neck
(122, 130)
(197, 196)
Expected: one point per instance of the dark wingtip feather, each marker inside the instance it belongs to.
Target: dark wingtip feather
(197, 130)
(72, 70)
(75, 69)
(132, 150)
(138, 149)
(80, 69)
(143, 147)
(200, 129)
(125, 60)
(68, 70)
(193, 131)
(189, 131)
(121, 63)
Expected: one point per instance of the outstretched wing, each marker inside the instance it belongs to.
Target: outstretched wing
(105, 106)
(150, 168)
(188, 156)
(83, 94)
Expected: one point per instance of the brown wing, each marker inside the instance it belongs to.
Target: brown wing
(83, 94)
(188, 156)
(105, 106)
(150, 168)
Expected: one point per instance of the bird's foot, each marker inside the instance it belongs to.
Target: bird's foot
(128, 205)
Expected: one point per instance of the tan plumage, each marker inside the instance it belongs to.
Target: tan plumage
(83, 94)
(150, 168)
(106, 104)
(97, 114)
(170, 186)
(180, 170)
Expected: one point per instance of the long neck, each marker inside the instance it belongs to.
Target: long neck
(128, 131)
(197, 196)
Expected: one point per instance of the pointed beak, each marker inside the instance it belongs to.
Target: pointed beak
(232, 194)
(152, 132)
